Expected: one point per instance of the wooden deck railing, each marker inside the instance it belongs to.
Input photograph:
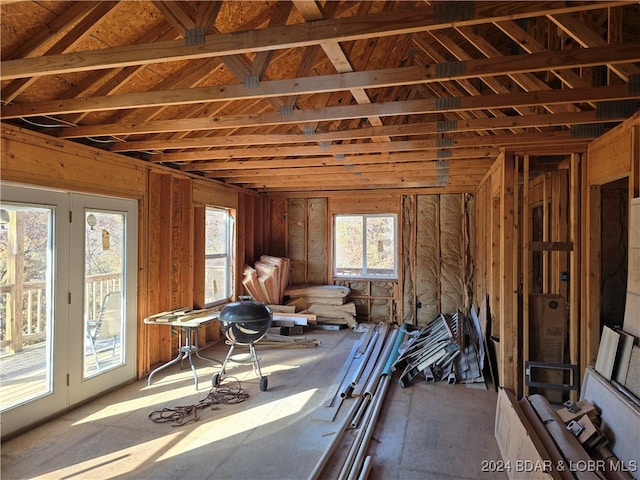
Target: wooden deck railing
(27, 325)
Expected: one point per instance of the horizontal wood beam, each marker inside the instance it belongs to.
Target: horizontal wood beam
(551, 246)
(389, 158)
(418, 128)
(473, 175)
(398, 22)
(408, 107)
(442, 144)
(470, 166)
(316, 182)
(486, 67)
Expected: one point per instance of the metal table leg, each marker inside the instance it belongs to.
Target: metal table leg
(186, 350)
(168, 364)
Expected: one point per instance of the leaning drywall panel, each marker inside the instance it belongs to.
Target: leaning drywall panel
(427, 258)
(317, 241)
(620, 417)
(408, 259)
(451, 253)
(296, 215)
(516, 443)
(632, 307)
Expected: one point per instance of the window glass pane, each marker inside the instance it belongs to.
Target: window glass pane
(380, 246)
(25, 303)
(104, 261)
(349, 258)
(218, 257)
(365, 246)
(215, 279)
(216, 236)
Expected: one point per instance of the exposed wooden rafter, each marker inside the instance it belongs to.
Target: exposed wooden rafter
(324, 95)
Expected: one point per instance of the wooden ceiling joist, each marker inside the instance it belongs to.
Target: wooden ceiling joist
(408, 129)
(411, 107)
(398, 22)
(373, 147)
(330, 83)
(323, 96)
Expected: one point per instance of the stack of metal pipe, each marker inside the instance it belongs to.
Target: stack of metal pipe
(365, 409)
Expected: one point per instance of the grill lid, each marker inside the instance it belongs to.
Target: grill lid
(246, 310)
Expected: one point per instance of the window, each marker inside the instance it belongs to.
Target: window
(365, 246)
(218, 255)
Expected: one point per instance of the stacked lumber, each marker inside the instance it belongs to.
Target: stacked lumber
(267, 279)
(327, 302)
(274, 340)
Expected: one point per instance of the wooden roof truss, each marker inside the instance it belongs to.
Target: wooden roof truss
(311, 96)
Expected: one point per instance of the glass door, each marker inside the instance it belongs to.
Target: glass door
(103, 313)
(33, 304)
(68, 271)
(26, 282)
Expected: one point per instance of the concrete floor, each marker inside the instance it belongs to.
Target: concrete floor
(425, 431)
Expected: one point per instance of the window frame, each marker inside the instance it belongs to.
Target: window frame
(229, 255)
(365, 274)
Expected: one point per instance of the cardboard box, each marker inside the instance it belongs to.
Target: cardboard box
(548, 339)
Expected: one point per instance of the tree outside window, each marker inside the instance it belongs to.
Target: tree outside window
(218, 255)
(365, 246)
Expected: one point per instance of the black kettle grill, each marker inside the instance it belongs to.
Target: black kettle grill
(244, 323)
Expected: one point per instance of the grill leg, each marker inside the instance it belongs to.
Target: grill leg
(224, 364)
(255, 357)
(263, 380)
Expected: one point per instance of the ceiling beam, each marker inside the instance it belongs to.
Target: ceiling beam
(64, 31)
(367, 159)
(527, 81)
(354, 182)
(372, 147)
(579, 57)
(408, 107)
(396, 22)
(472, 167)
(587, 38)
(310, 11)
(418, 128)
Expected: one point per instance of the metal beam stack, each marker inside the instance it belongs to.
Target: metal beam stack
(432, 351)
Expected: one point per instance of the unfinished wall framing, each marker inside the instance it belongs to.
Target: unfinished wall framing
(436, 266)
(613, 159)
(436, 258)
(496, 253)
(539, 231)
(171, 219)
(550, 264)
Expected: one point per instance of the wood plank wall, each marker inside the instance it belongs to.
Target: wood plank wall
(171, 209)
(434, 251)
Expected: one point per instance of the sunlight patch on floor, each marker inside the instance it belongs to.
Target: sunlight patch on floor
(240, 422)
(119, 461)
(147, 402)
